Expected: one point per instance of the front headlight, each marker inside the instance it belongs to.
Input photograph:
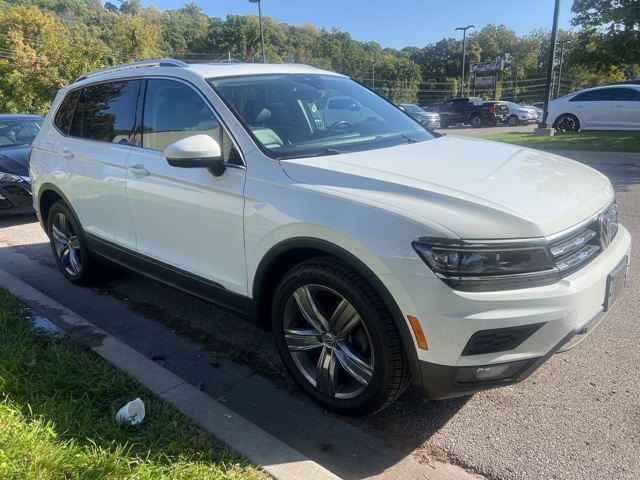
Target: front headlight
(10, 177)
(484, 266)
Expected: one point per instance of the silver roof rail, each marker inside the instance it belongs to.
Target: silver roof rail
(161, 62)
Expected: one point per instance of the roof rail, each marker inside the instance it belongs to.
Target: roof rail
(161, 62)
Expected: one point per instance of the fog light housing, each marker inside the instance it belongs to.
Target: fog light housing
(489, 373)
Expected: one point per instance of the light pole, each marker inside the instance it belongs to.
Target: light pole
(464, 52)
(542, 126)
(373, 76)
(562, 44)
(259, 2)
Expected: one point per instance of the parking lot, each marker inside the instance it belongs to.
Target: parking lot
(578, 417)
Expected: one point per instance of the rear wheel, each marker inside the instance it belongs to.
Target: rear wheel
(513, 121)
(337, 338)
(567, 123)
(69, 246)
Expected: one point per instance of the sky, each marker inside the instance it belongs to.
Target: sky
(394, 23)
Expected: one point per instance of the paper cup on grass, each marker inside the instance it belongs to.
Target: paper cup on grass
(132, 412)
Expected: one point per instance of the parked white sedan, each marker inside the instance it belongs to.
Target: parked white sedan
(611, 107)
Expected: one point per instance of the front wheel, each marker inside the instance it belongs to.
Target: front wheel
(69, 246)
(337, 338)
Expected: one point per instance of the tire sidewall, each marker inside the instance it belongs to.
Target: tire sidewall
(83, 276)
(366, 402)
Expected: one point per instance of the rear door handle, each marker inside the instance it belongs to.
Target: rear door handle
(68, 154)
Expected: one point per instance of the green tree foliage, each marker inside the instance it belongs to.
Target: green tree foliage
(40, 56)
(610, 32)
(47, 43)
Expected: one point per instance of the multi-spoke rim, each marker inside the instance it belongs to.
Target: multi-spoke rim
(66, 244)
(567, 124)
(328, 341)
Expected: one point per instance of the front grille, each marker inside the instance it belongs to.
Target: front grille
(575, 249)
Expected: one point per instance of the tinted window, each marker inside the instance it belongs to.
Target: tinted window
(173, 111)
(602, 95)
(106, 112)
(64, 115)
(627, 94)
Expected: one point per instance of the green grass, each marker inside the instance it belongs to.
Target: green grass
(57, 417)
(575, 141)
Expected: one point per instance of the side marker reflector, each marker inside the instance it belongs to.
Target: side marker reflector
(417, 331)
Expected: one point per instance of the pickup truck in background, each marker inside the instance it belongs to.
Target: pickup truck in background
(472, 111)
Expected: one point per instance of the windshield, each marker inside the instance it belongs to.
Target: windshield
(18, 132)
(304, 115)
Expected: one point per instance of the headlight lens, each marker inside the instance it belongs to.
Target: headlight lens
(487, 265)
(9, 177)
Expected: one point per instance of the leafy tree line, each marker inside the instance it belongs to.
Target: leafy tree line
(45, 44)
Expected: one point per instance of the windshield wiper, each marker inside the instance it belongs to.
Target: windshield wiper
(323, 153)
(410, 140)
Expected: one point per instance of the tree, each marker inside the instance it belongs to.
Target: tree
(41, 56)
(610, 34)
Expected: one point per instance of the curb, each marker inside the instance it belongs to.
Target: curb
(261, 448)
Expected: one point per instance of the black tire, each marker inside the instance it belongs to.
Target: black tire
(444, 124)
(513, 121)
(476, 121)
(337, 338)
(69, 246)
(567, 123)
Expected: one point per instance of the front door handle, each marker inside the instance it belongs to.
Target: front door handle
(139, 170)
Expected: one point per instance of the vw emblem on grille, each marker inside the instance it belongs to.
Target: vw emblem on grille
(608, 223)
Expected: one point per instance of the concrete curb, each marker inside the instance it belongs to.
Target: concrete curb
(275, 457)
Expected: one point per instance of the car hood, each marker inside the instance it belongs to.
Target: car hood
(469, 187)
(14, 160)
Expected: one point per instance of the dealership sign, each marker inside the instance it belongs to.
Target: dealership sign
(485, 81)
(482, 67)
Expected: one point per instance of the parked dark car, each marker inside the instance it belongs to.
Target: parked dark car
(16, 134)
(472, 111)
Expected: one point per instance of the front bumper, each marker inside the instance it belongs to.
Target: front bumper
(479, 341)
(15, 198)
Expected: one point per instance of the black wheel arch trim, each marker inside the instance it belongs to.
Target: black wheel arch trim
(281, 257)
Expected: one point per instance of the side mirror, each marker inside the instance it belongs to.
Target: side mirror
(198, 151)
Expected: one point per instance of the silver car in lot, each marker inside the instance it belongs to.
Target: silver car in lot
(428, 119)
(521, 115)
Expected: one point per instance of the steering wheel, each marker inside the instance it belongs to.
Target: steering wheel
(340, 124)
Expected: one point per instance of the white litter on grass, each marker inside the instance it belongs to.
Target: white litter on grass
(132, 412)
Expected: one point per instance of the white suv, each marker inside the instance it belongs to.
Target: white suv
(381, 254)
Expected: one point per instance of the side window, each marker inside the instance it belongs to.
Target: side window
(627, 94)
(593, 96)
(173, 111)
(109, 111)
(64, 115)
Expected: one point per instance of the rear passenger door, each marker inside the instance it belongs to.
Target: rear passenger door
(625, 113)
(97, 122)
(188, 223)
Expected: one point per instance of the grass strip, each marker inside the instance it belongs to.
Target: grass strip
(57, 417)
(574, 141)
